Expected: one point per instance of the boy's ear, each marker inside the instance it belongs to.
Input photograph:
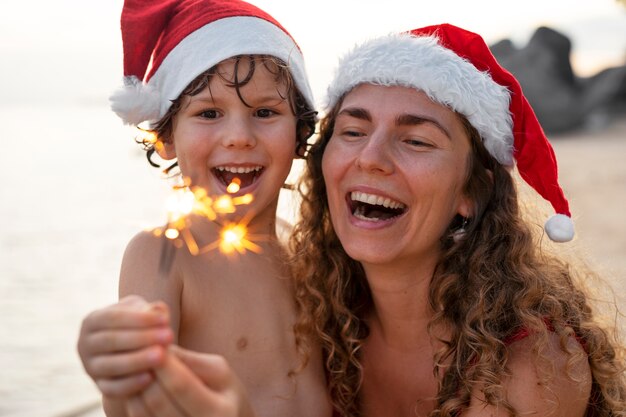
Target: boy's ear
(166, 149)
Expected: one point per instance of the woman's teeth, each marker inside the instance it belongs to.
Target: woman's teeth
(371, 207)
(376, 200)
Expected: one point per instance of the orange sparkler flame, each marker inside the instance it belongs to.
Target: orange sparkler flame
(233, 238)
(224, 204)
(244, 199)
(234, 186)
(171, 233)
(185, 200)
(147, 136)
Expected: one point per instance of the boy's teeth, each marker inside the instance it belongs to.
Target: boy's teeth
(239, 170)
(375, 200)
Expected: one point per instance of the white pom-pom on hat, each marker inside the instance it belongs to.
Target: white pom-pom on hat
(560, 228)
(136, 102)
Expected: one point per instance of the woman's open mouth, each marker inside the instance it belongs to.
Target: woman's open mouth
(245, 175)
(373, 208)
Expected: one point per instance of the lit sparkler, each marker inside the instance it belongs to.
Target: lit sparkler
(186, 200)
(233, 238)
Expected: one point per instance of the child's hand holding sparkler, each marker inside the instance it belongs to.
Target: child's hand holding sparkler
(192, 384)
(120, 344)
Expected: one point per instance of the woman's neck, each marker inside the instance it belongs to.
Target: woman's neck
(401, 310)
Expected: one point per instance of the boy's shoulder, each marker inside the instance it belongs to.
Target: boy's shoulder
(151, 252)
(148, 259)
(145, 239)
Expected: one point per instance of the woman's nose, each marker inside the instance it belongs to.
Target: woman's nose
(374, 155)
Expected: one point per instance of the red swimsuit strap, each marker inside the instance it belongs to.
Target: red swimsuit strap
(524, 332)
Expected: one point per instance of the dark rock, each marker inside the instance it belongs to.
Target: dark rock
(561, 100)
(503, 49)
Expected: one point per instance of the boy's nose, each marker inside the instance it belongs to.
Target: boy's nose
(239, 134)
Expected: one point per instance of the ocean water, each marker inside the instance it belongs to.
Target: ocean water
(74, 189)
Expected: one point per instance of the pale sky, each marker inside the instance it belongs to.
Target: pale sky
(70, 50)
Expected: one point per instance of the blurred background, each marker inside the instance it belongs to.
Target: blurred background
(75, 187)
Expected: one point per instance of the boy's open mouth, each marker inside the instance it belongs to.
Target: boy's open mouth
(373, 207)
(246, 175)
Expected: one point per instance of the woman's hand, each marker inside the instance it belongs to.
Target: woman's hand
(120, 344)
(190, 384)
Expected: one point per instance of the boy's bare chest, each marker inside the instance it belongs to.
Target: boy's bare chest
(236, 307)
(244, 311)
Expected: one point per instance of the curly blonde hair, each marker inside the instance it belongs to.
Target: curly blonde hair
(487, 287)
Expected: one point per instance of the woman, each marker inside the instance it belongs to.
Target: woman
(429, 292)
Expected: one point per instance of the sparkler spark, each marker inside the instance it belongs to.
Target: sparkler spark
(234, 186)
(224, 204)
(185, 201)
(149, 137)
(233, 238)
(171, 233)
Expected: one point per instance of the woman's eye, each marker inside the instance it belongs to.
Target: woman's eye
(263, 113)
(352, 133)
(417, 143)
(209, 114)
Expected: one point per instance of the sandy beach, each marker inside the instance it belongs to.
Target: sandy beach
(593, 175)
(76, 260)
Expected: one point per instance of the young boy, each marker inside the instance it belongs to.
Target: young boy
(227, 97)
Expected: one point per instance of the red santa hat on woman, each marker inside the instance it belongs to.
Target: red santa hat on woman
(455, 68)
(168, 43)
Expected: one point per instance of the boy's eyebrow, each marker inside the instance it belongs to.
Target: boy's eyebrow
(357, 113)
(262, 99)
(413, 120)
(196, 98)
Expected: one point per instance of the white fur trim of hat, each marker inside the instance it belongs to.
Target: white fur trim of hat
(420, 62)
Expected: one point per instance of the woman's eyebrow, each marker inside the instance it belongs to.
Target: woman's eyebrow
(412, 120)
(356, 112)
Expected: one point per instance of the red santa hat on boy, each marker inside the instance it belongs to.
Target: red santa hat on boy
(455, 68)
(168, 43)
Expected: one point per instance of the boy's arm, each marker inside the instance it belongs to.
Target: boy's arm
(134, 345)
(140, 275)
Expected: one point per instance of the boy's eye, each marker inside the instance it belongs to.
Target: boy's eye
(209, 114)
(263, 113)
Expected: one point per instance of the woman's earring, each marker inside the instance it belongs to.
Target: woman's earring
(459, 234)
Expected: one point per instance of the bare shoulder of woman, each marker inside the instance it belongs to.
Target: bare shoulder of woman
(557, 384)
